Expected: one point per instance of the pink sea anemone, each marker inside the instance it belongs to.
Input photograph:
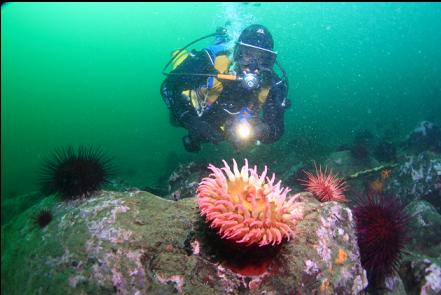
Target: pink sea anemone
(247, 208)
(325, 186)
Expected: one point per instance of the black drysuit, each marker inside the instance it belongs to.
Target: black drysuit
(206, 128)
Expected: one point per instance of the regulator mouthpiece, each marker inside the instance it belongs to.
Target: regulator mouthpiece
(250, 81)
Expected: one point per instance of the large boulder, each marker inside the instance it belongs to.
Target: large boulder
(425, 137)
(424, 229)
(137, 243)
(421, 274)
(344, 164)
(418, 177)
(184, 180)
(421, 268)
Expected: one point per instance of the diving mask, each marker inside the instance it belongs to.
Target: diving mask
(254, 57)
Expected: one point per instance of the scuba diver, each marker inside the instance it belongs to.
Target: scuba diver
(216, 98)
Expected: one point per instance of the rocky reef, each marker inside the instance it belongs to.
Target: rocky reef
(138, 243)
(184, 180)
(421, 268)
(129, 241)
(418, 177)
(409, 172)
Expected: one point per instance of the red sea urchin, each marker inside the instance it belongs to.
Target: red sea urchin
(381, 226)
(325, 187)
(74, 174)
(247, 208)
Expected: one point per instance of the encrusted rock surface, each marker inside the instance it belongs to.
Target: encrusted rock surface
(138, 243)
(418, 177)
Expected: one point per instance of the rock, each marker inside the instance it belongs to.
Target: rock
(11, 207)
(385, 151)
(293, 175)
(425, 137)
(424, 229)
(394, 286)
(137, 243)
(418, 177)
(183, 182)
(117, 185)
(344, 164)
(422, 275)
(420, 268)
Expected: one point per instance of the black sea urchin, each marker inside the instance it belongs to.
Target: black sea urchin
(381, 226)
(75, 174)
(43, 218)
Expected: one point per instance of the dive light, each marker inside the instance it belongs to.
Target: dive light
(243, 127)
(243, 130)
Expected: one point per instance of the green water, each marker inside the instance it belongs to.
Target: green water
(86, 73)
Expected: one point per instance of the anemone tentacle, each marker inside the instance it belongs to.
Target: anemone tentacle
(247, 208)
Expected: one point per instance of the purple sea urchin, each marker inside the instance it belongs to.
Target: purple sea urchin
(74, 174)
(43, 218)
(381, 226)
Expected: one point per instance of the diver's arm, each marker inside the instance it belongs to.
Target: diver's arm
(176, 102)
(197, 62)
(179, 104)
(181, 109)
(174, 84)
(273, 113)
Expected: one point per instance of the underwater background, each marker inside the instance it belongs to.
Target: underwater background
(120, 213)
(89, 74)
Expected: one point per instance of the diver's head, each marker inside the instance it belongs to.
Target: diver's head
(254, 50)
